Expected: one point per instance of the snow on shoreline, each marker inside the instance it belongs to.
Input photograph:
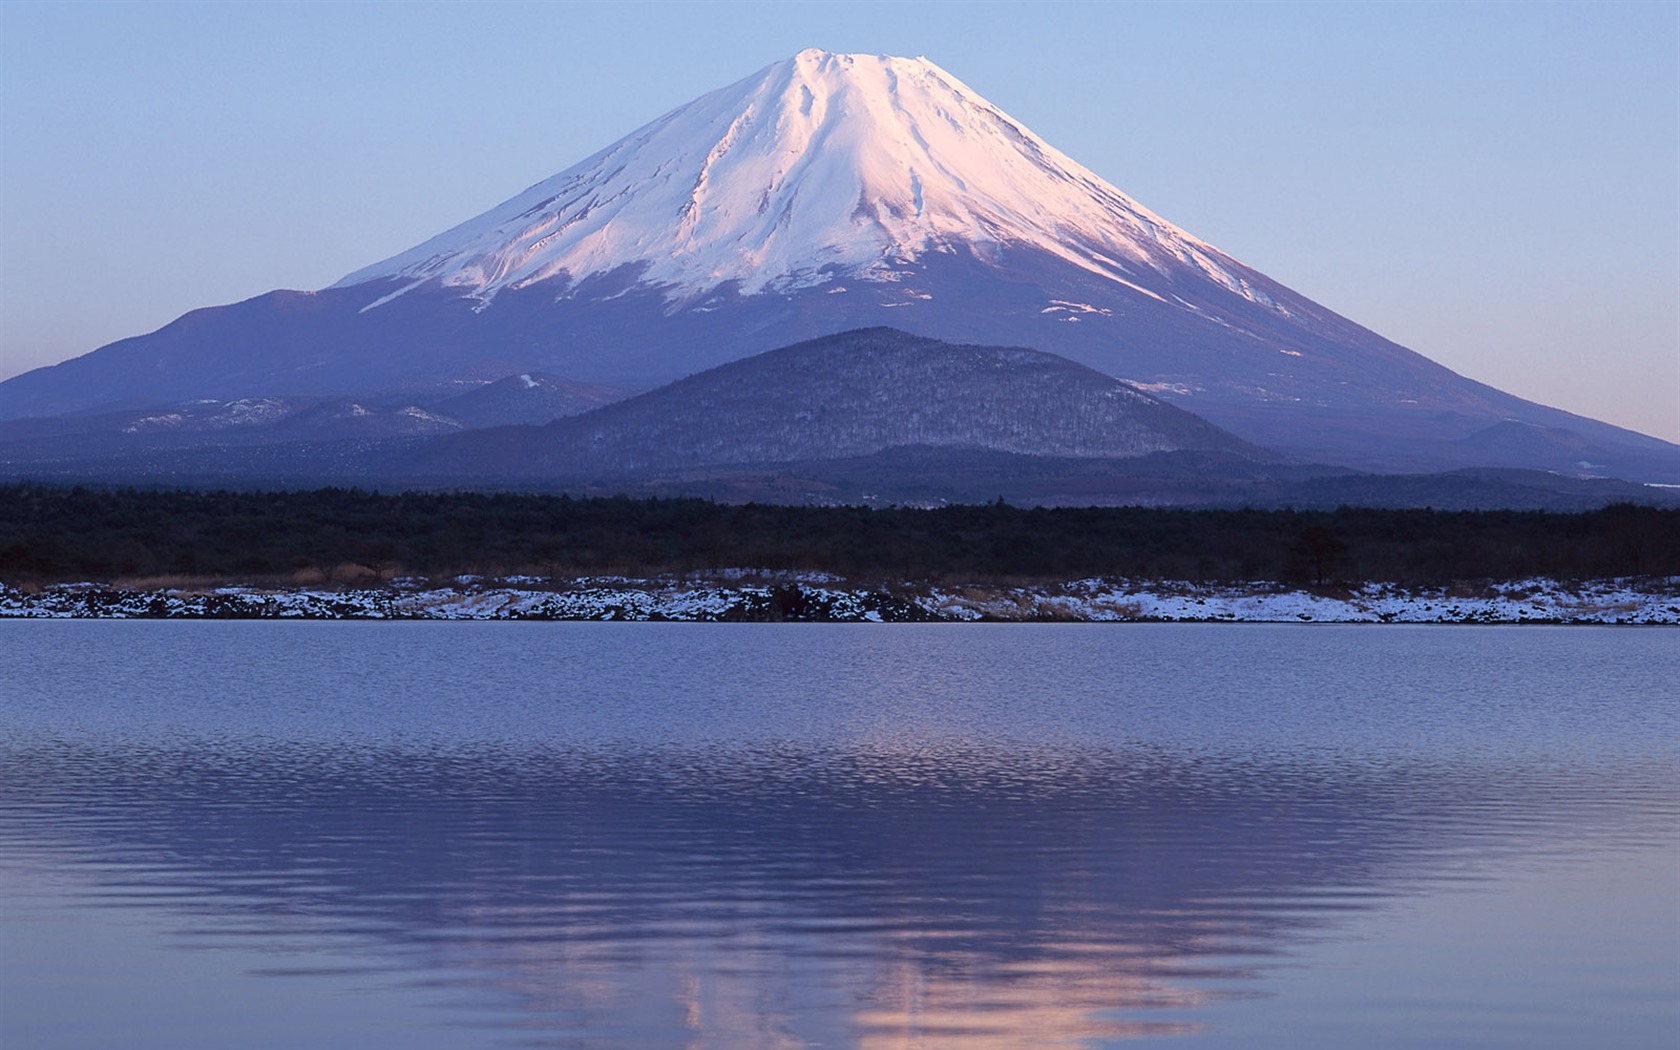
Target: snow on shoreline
(742, 595)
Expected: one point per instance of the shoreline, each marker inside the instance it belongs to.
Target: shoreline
(746, 596)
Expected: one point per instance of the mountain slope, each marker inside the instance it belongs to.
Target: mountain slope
(524, 398)
(844, 396)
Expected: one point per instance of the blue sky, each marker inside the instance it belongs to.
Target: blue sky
(1496, 186)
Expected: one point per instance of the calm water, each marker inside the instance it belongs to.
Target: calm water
(720, 836)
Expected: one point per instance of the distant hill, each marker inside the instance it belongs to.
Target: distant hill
(874, 417)
(926, 477)
(843, 396)
(527, 398)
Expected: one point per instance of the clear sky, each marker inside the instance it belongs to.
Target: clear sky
(1496, 186)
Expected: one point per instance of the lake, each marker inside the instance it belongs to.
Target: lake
(264, 834)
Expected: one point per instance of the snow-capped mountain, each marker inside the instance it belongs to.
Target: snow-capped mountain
(818, 168)
(827, 193)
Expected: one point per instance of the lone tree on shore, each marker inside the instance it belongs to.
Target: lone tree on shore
(1316, 550)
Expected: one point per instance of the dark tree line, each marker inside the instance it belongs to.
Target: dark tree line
(59, 534)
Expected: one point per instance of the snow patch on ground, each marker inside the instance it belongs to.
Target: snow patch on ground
(1180, 389)
(753, 595)
(1654, 601)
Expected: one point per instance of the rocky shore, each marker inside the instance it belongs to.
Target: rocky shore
(747, 596)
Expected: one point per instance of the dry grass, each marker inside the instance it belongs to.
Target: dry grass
(1123, 610)
(175, 582)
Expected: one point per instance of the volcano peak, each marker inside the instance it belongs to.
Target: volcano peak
(820, 166)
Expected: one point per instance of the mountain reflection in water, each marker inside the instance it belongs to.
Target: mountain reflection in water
(959, 896)
(731, 864)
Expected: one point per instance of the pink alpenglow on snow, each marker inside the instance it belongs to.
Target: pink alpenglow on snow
(818, 164)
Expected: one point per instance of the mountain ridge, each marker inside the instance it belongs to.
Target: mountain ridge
(840, 396)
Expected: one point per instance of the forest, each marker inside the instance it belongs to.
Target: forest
(59, 534)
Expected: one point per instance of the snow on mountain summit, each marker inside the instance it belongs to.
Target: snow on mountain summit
(817, 166)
